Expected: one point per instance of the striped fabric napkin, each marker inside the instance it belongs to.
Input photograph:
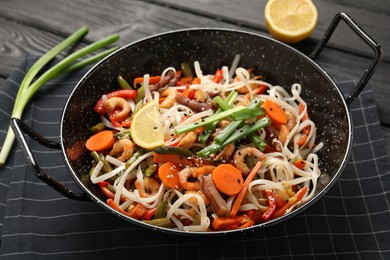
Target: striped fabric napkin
(352, 221)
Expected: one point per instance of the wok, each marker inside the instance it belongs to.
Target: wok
(279, 63)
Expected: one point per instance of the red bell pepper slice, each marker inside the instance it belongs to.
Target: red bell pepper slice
(123, 93)
(271, 205)
(218, 76)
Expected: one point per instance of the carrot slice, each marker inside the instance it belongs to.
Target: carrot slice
(275, 112)
(222, 223)
(100, 141)
(169, 175)
(241, 195)
(195, 81)
(140, 80)
(300, 163)
(227, 179)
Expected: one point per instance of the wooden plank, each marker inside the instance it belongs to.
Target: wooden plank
(249, 13)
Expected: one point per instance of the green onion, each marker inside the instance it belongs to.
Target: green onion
(257, 141)
(248, 113)
(222, 103)
(208, 120)
(209, 129)
(30, 84)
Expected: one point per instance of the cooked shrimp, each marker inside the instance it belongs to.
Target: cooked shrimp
(150, 188)
(114, 103)
(291, 122)
(185, 175)
(188, 140)
(223, 123)
(284, 131)
(226, 153)
(203, 170)
(200, 96)
(125, 147)
(239, 158)
(194, 200)
(170, 98)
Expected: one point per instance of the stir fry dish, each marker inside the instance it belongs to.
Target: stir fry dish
(203, 152)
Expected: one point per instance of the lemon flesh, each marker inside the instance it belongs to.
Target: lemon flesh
(147, 128)
(290, 21)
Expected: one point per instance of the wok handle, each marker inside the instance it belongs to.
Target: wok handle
(20, 129)
(365, 37)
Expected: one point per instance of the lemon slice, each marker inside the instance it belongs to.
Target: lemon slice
(290, 21)
(147, 128)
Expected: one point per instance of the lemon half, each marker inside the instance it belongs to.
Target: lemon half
(290, 21)
(147, 128)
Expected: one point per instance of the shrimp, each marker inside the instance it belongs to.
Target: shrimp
(291, 122)
(150, 188)
(188, 140)
(223, 123)
(194, 200)
(203, 170)
(284, 131)
(170, 98)
(200, 96)
(239, 158)
(112, 104)
(185, 175)
(124, 146)
(226, 153)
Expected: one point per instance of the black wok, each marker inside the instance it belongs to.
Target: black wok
(279, 64)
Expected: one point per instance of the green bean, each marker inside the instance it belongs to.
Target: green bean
(140, 95)
(134, 157)
(98, 127)
(123, 83)
(160, 222)
(186, 69)
(100, 157)
(150, 170)
(161, 210)
(123, 134)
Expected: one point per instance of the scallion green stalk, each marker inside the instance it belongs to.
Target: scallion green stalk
(29, 87)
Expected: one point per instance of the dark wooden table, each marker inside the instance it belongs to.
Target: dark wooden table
(33, 27)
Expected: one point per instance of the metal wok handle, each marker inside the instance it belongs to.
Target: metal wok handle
(365, 37)
(19, 129)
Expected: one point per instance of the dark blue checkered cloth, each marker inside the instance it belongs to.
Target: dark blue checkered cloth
(352, 221)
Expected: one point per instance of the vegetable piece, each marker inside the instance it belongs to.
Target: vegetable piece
(140, 81)
(300, 163)
(173, 150)
(100, 141)
(30, 84)
(223, 135)
(174, 158)
(122, 82)
(106, 192)
(195, 81)
(99, 157)
(275, 112)
(222, 103)
(169, 175)
(294, 199)
(222, 223)
(122, 134)
(123, 93)
(161, 211)
(160, 222)
(218, 204)
(138, 211)
(241, 195)
(204, 136)
(186, 69)
(150, 170)
(240, 133)
(216, 117)
(134, 157)
(271, 205)
(98, 127)
(248, 113)
(149, 213)
(140, 95)
(218, 76)
(227, 179)
(256, 140)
